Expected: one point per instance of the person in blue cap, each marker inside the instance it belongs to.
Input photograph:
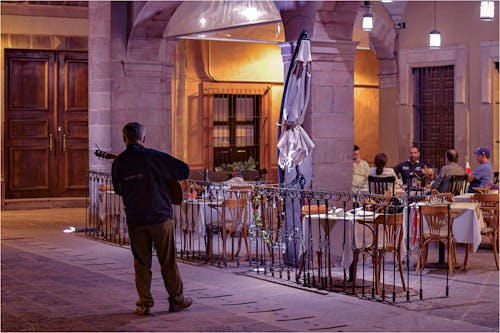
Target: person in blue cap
(482, 176)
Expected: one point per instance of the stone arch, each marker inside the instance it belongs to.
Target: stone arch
(335, 20)
(383, 41)
(147, 31)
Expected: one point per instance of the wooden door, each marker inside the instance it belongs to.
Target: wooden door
(46, 106)
(434, 113)
(72, 123)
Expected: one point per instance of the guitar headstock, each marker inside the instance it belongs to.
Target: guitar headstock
(102, 154)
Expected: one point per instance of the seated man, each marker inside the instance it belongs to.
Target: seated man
(482, 176)
(359, 172)
(413, 168)
(442, 181)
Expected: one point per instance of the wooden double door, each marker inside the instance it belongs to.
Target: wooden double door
(46, 123)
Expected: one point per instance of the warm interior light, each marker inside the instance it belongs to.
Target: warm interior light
(487, 11)
(434, 39)
(242, 20)
(251, 13)
(367, 23)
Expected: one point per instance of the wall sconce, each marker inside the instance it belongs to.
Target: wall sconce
(434, 35)
(367, 22)
(487, 11)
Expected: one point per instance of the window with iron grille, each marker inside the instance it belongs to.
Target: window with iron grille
(434, 113)
(235, 128)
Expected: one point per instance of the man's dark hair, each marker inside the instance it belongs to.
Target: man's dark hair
(452, 155)
(356, 147)
(414, 146)
(133, 132)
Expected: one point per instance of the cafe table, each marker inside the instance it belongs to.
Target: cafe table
(111, 213)
(339, 233)
(194, 215)
(467, 224)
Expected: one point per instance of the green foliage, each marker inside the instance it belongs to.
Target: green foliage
(239, 167)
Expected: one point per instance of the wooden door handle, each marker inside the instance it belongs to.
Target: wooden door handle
(50, 142)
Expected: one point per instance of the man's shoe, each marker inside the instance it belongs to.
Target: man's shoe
(142, 310)
(176, 307)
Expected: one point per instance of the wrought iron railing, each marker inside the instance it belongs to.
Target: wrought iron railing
(309, 238)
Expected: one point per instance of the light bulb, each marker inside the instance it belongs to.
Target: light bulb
(367, 23)
(434, 39)
(487, 11)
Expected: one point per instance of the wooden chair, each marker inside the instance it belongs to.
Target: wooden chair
(233, 223)
(489, 209)
(270, 211)
(439, 222)
(381, 185)
(242, 191)
(458, 184)
(485, 189)
(388, 236)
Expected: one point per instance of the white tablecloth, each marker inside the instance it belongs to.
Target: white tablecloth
(466, 226)
(194, 215)
(467, 197)
(340, 242)
(110, 204)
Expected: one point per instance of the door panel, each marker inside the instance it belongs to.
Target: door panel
(46, 126)
(73, 123)
(30, 124)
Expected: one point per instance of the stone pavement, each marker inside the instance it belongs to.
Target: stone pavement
(52, 281)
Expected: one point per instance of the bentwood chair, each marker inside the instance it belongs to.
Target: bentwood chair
(388, 237)
(458, 184)
(243, 191)
(381, 185)
(436, 225)
(485, 189)
(233, 223)
(489, 210)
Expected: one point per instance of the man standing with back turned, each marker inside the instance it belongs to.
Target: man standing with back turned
(140, 176)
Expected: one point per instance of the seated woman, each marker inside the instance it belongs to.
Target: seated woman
(379, 170)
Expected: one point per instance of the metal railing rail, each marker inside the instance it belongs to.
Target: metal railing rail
(306, 237)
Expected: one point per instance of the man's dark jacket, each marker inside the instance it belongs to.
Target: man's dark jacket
(140, 176)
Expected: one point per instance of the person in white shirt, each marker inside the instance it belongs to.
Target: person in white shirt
(359, 172)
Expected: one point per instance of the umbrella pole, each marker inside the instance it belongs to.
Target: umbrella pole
(303, 35)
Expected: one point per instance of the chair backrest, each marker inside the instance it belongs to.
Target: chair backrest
(489, 207)
(485, 189)
(234, 213)
(458, 184)
(393, 226)
(438, 220)
(241, 191)
(380, 185)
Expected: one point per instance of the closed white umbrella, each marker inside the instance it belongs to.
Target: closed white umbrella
(294, 144)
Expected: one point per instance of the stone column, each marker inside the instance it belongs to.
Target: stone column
(388, 114)
(99, 111)
(330, 119)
